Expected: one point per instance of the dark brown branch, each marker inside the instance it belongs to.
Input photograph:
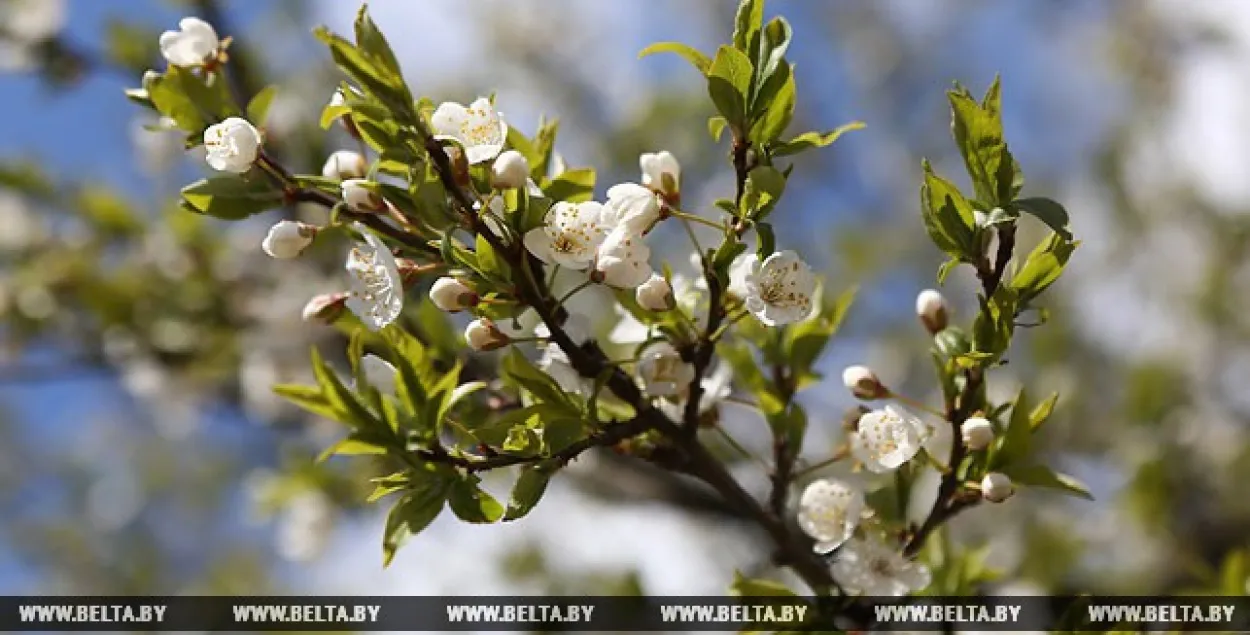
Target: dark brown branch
(950, 501)
(589, 361)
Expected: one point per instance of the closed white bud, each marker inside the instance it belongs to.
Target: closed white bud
(344, 164)
(863, 383)
(287, 239)
(358, 196)
(978, 433)
(511, 170)
(195, 43)
(326, 307)
(483, 335)
(655, 294)
(450, 294)
(931, 309)
(232, 145)
(996, 487)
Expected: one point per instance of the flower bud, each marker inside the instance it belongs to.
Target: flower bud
(379, 373)
(344, 164)
(450, 294)
(326, 307)
(863, 383)
(287, 239)
(232, 145)
(931, 308)
(655, 294)
(996, 487)
(483, 335)
(510, 171)
(359, 197)
(661, 173)
(978, 433)
(195, 43)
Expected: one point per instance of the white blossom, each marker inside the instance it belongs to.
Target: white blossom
(863, 382)
(511, 170)
(829, 512)
(358, 195)
(886, 439)
(195, 43)
(623, 260)
(344, 164)
(570, 235)
(977, 432)
(287, 239)
(868, 566)
(663, 372)
(483, 335)
(376, 294)
(631, 205)
(997, 487)
(741, 267)
(661, 172)
(450, 294)
(655, 294)
(780, 290)
(32, 21)
(479, 128)
(379, 373)
(232, 145)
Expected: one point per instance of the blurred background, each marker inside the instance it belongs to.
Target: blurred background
(141, 450)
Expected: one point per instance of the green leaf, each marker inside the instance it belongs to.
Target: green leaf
(779, 109)
(344, 402)
(258, 107)
(456, 395)
(413, 513)
(369, 72)
(1016, 440)
(747, 24)
(810, 140)
(309, 398)
(191, 101)
(1042, 412)
(743, 586)
(1235, 574)
(689, 53)
(473, 505)
(995, 324)
(352, 445)
(528, 376)
(574, 186)
(1043, 267)
(527, 491)
(1047, 211)
(805, 341)
(231, 197)
(716, 127)
(952, 342)
(948, 216)
(978, 132)
(372, 43)
(774, 42)
(1042, 476)
(767, 240)
(729, 81)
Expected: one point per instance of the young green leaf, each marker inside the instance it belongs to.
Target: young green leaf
(689, 53)
(729, 82)
(747, 24)
(1043, 267)
(574, 186)
(948, 216)
(413, 513)
(471, 504)
(258, 107)
(1042, 476)
(231, 197)
(810, 140)
(1047, 211)
(527, 491)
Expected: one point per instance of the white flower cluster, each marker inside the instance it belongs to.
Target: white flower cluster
(830, 511)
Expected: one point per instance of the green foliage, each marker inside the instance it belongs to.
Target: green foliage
(232, 197)
(978, 132)
(810, 140)
(689, 53)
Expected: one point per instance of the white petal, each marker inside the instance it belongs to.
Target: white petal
(448, 118)
(539, 243)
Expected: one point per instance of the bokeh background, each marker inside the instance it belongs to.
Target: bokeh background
(141, 450)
